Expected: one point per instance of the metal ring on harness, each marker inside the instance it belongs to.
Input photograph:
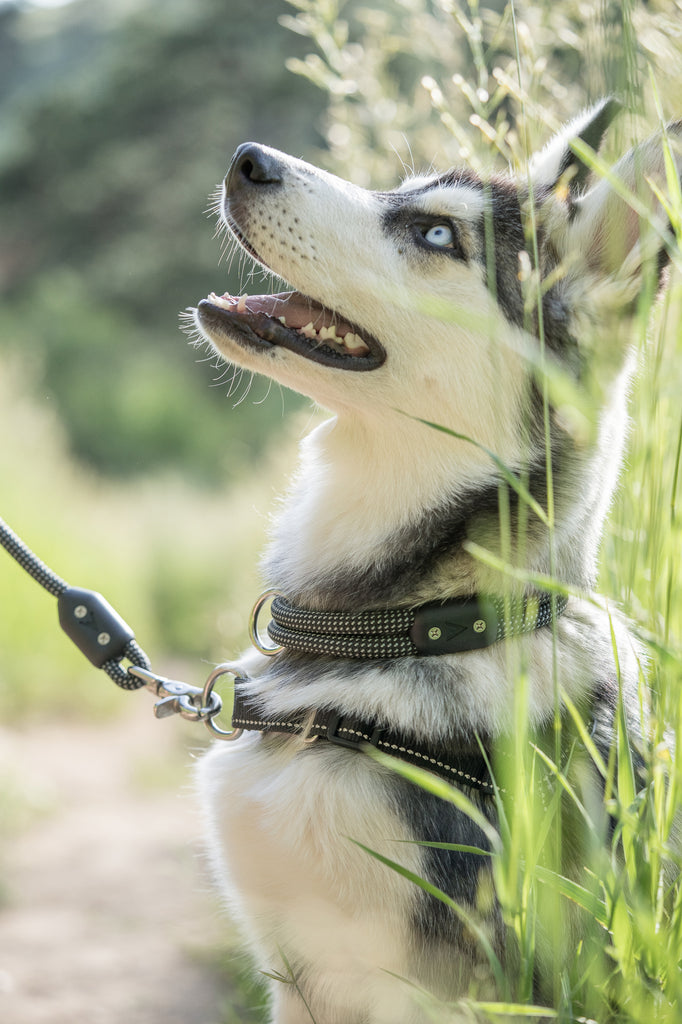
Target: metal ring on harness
(223, 734)
(254, 636)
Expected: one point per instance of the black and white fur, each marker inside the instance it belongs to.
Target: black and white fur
(380, 513)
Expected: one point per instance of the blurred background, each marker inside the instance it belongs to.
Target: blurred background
(137, 466)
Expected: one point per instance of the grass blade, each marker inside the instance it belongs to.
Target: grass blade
(439, 787)
(463, 916)
(589, 901)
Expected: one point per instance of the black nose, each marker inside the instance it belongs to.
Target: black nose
(253, 165)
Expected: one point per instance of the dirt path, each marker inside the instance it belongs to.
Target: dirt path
(106, 915)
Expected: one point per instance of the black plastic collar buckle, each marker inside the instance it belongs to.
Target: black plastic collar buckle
(352, 738)
(455, 626)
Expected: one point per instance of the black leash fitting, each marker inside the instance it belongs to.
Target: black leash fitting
(97, 630)
(106, 640)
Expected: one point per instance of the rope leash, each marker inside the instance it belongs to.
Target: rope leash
(107, 641)
(86, 617)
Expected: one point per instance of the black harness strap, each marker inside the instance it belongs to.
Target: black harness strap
(465, 769)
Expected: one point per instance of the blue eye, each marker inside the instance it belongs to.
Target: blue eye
(441, 235)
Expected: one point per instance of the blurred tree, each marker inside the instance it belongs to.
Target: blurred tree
(106, 164)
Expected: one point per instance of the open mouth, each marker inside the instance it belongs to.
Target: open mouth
(293, 321)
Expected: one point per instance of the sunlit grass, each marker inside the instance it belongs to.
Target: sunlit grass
(607, 938)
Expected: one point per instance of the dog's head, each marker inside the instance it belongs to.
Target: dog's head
(428, 298)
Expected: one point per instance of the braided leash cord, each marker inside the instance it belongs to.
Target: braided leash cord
(22, 554)
(93, 614)
(133, 653)
(383, 622)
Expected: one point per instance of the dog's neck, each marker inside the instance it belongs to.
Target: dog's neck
(382, 505)
(378, 514)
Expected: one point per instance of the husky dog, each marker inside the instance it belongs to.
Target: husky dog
(411, 308)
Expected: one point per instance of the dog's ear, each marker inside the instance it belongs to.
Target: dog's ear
(558, 160)
(621, 222)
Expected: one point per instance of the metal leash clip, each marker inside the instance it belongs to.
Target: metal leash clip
(177, 698)
(194, 703)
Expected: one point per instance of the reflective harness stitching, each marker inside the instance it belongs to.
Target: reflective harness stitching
(329, 725)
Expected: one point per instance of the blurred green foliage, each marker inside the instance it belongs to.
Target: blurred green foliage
(434, 83)
(116, 122)
(180, 565)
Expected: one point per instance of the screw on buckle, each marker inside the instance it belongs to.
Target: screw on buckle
(455, 626)
(94, 626)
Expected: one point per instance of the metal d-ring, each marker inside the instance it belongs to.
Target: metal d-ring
(207, 696)
(253, 624)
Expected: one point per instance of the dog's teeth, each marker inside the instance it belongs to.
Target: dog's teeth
(241, 304)
(353, 342)
(282, 320)
(224, 301)
(329, 334)
(308, 330)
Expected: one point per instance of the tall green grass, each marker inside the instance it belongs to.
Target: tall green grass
(465, 80)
